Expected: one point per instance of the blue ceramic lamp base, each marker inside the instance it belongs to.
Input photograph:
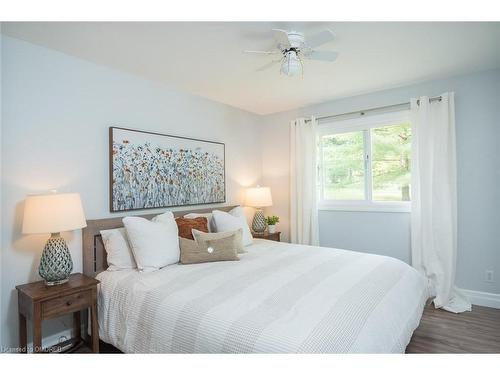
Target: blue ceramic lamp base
(56, 263)
(259, 221)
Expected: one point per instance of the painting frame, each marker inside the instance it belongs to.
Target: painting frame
(178, 138)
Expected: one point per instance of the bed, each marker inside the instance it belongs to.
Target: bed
(279, 298)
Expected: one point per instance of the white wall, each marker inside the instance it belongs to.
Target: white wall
(56, 114)
(478, 160)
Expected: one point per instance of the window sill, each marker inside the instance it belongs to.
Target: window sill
(374, 207)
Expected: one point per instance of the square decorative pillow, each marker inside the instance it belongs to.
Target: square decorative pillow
(186, 225)
(118, 252)
(200, 237)
(210, 220)
(232, 220)
(208, 250)
(155, 244)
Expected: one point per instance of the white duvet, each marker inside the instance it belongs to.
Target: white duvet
(279, 298)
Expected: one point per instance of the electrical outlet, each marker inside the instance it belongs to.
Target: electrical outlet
(488, 276)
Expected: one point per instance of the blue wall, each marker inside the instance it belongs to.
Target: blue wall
(477, 103)
(385, 233)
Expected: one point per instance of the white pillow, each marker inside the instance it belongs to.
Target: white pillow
(155, 244)
(233, 220)
(118, 251)
(210, 220)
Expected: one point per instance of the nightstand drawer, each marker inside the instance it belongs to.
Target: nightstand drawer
(67, 304)
(276, 236)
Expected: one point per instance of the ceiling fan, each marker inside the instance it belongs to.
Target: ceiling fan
(294, 48)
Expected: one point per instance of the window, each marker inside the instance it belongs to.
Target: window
(365, 163)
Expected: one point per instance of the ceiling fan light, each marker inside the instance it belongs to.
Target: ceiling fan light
(291, 65)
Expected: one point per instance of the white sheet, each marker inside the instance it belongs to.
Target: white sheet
(279, 298)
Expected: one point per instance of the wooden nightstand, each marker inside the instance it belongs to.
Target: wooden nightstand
(39, 302)
(267, 236)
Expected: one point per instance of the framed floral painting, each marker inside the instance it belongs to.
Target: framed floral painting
(151, 170)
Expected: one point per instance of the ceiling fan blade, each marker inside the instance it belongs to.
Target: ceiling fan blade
(268, 65)
(263, 52)
(281, 37)
(320, 38)
(322, 55)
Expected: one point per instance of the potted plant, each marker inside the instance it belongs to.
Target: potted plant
(271, 222)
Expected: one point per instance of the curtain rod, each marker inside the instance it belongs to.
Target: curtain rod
(364, 111)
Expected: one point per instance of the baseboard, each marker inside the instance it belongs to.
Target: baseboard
(482, 298)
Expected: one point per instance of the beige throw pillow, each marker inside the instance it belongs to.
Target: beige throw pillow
(200, 236)
(208, 250)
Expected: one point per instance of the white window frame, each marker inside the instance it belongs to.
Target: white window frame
(365, 124)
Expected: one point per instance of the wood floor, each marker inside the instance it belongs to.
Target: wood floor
(440, 331)
(477, 331)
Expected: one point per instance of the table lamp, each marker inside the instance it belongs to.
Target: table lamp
(54, 213)
(259, 197)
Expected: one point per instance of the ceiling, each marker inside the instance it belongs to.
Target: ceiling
(206, 59)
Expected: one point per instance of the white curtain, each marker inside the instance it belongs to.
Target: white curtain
(303, 204)
(434, 198)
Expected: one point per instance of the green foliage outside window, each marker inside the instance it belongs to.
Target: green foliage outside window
(391, 150)
(344, 164)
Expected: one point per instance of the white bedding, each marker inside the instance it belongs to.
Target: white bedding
(279, 298)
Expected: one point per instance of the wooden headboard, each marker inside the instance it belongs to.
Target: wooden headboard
(94, 254)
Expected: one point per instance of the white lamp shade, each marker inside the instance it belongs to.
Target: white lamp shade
(259, 197)
(53, 213)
